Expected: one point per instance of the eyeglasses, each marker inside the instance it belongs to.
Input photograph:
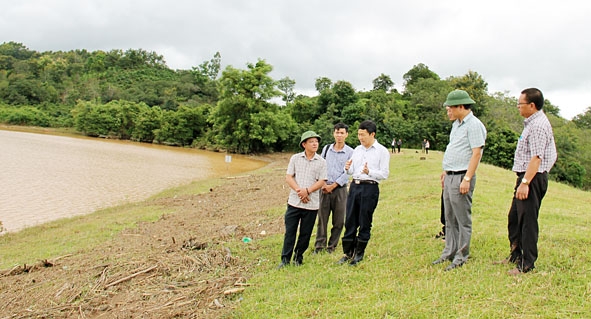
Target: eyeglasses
(518, 104)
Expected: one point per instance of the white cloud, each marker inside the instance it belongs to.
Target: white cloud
(512, 44)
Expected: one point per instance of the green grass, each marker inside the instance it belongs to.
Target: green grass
(397, 280)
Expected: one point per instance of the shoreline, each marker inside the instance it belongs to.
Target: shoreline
(60, 176)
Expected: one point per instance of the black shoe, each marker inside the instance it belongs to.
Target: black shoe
(282, 265)
(344, 260)
(439, 261)
(441, 234)
(453, 266)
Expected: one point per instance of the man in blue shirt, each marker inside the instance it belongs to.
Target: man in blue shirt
(334, 194)
(460, 161)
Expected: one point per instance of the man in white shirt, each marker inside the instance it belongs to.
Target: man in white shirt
(369, 165)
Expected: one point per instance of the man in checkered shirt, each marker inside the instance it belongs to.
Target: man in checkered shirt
(534, 157)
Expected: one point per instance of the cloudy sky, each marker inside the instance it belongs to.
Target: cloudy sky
(513, 44)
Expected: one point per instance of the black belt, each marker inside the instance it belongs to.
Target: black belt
(456, 172)
(364, 181)
(523, 173)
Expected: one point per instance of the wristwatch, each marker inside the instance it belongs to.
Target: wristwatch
(466, 178)
(524, 181)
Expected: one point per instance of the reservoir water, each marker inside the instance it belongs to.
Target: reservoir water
(47, 177)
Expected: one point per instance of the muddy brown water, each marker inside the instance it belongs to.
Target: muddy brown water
(48, 177)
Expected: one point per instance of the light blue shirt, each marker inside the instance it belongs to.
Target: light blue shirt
(335, 164)
(464, 136)
(377, 158)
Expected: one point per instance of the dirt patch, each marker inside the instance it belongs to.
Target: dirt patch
(177, 267)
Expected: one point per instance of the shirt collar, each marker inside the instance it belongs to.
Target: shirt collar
(532, 117)
(466, 118)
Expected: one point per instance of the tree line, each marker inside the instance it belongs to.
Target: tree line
(133, 95)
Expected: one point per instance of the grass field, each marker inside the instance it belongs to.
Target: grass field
(396, 278)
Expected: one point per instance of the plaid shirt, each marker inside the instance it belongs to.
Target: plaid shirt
(306, 173)
(536, 139)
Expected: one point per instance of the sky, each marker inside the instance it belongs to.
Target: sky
(512, 44)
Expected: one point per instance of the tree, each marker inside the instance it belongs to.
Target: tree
(286, 86)
(383, 83)
(583, 120)
(243, 106)
(322, 84)
(419, 71)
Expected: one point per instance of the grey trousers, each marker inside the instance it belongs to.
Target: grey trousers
(335, 202)
(458, 219)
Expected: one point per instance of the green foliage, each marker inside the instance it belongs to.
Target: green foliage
(95, 120)
(417, 72)
(583, 120)
(500, 147)
(26, 116)
(383, 83)
(148, 120)
(286, 85)
(132, 94)
(239, 115)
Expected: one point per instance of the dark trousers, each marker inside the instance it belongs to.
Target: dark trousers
(361, 203)
(335, 202)
(523, 222)
(295, 217)
(442, 217)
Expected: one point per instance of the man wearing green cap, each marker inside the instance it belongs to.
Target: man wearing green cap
(306, 174)
(460, 161)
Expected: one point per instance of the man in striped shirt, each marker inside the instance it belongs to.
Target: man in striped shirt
(534, 157)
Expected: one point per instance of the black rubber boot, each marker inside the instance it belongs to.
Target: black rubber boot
(348, 250)
(359, 252)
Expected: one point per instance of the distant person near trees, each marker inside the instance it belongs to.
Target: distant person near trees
(393, 145)
(534, 157)
(398, 145)
(369, 165)
(427, 146)
(306, 174)
(460, 161)
(333, 195)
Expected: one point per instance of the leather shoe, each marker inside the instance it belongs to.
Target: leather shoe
(282, 264)
(453, 266)
(343, 260)
(439, 261)
(514, 272)
(501, 262)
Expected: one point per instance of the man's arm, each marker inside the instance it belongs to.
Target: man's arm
(531, 171)
(472, 166)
